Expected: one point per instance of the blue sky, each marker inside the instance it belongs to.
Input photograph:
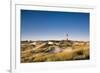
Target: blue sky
(52, 25)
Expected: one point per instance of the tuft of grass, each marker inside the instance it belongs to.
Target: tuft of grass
(64, 56)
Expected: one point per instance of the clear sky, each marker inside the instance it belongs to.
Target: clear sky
(52, 25)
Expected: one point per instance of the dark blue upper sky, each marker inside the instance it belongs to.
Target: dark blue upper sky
(52, 25)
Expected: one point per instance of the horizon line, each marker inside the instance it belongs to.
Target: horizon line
(54, 40)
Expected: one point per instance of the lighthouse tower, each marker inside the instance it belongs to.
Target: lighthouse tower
(67, 37)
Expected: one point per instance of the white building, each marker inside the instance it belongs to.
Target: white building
(34, 43)
(50, 43)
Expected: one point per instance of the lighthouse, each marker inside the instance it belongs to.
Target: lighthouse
(67, 37)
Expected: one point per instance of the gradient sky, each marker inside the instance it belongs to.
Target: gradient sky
(52, 25)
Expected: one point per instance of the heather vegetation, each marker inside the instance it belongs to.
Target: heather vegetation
(47, 51)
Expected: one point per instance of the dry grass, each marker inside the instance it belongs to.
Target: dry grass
(68, 52)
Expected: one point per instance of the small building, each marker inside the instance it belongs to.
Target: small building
(33, 43)
(50, 43)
